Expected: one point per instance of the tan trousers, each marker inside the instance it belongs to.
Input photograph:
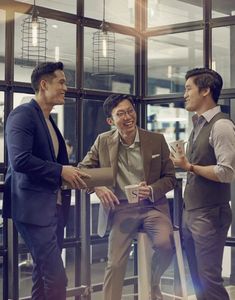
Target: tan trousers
(126, 222)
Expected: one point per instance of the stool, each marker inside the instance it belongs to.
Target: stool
(145, 253)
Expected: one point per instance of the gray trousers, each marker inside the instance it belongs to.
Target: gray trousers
(125, 224)
(204, 233)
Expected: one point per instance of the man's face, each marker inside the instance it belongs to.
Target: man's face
(124, 118)
(194, 99)
(55, 88)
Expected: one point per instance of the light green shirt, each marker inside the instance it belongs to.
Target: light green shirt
(130, 166)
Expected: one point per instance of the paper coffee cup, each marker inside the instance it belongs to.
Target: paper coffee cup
(132, 193)
(177, 148)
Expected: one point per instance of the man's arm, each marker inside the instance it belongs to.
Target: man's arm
(91, 160)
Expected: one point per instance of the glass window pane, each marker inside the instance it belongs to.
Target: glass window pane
(173, 11)
(169, 58)
(2, 44)
(65, 6)
(222, 9)
(1, 127)
(223, 54)
(63, 49)
(172, 120)
(93, 114)
(123, 81)
(120, 12)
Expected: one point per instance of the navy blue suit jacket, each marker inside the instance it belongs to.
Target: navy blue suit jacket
(34, 173)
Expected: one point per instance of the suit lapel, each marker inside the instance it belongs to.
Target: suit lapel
(113, 143)
(146, 151)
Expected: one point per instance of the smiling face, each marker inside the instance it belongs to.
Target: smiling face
(54, 88)
(124, 118)
(195, 100)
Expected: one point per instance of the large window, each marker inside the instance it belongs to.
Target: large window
(63, 49)
(223, 54)
(123, 79)
(173, 11)
(64, 6)
(223, 9)
(120, 12)
(169, 57)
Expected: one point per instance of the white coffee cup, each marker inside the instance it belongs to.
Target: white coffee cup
(132, 193)
(177, 148)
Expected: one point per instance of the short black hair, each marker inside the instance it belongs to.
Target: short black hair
(207, 78)
(44, 69)
(113, 100)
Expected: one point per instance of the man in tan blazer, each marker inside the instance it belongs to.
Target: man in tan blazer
(137, 157)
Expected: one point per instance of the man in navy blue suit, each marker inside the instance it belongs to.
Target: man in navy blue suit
(38, 163)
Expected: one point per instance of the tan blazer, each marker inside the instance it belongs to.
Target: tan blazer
(158, 168)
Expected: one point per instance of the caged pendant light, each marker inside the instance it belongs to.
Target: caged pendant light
(34, 39)
(103, 50)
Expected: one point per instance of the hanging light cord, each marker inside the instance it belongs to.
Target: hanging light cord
(103, 10)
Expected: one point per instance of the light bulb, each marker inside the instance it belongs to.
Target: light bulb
(34, 33)
(104, 46)
(57, 53)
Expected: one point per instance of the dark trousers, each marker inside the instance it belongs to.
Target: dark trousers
(204, 233)
(45, 245)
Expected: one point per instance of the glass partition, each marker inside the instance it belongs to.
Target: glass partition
(173, 11)
(171, 119)
(223, 54)
(2, 44)
(120, 12)
(58, 49)
(64, 6)
(220, 9)
(123, 81)
(169, 58)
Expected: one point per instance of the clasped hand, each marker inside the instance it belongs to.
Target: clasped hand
(74, 177)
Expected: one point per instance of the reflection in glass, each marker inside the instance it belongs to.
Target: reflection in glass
(57, 49)
(220, 9)
(2, 44)
(170, 57)
(173, 11)
(64, 6)
(223, 58)
(123, 81)
(120, 12)
(172, 120)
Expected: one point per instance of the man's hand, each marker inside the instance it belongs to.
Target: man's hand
(106, 196)
(181, 162)
(144, 191)
(73, 176)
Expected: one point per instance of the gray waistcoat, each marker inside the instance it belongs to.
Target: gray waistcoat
(199, 191)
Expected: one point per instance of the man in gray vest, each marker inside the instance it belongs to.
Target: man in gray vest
(210, 163)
